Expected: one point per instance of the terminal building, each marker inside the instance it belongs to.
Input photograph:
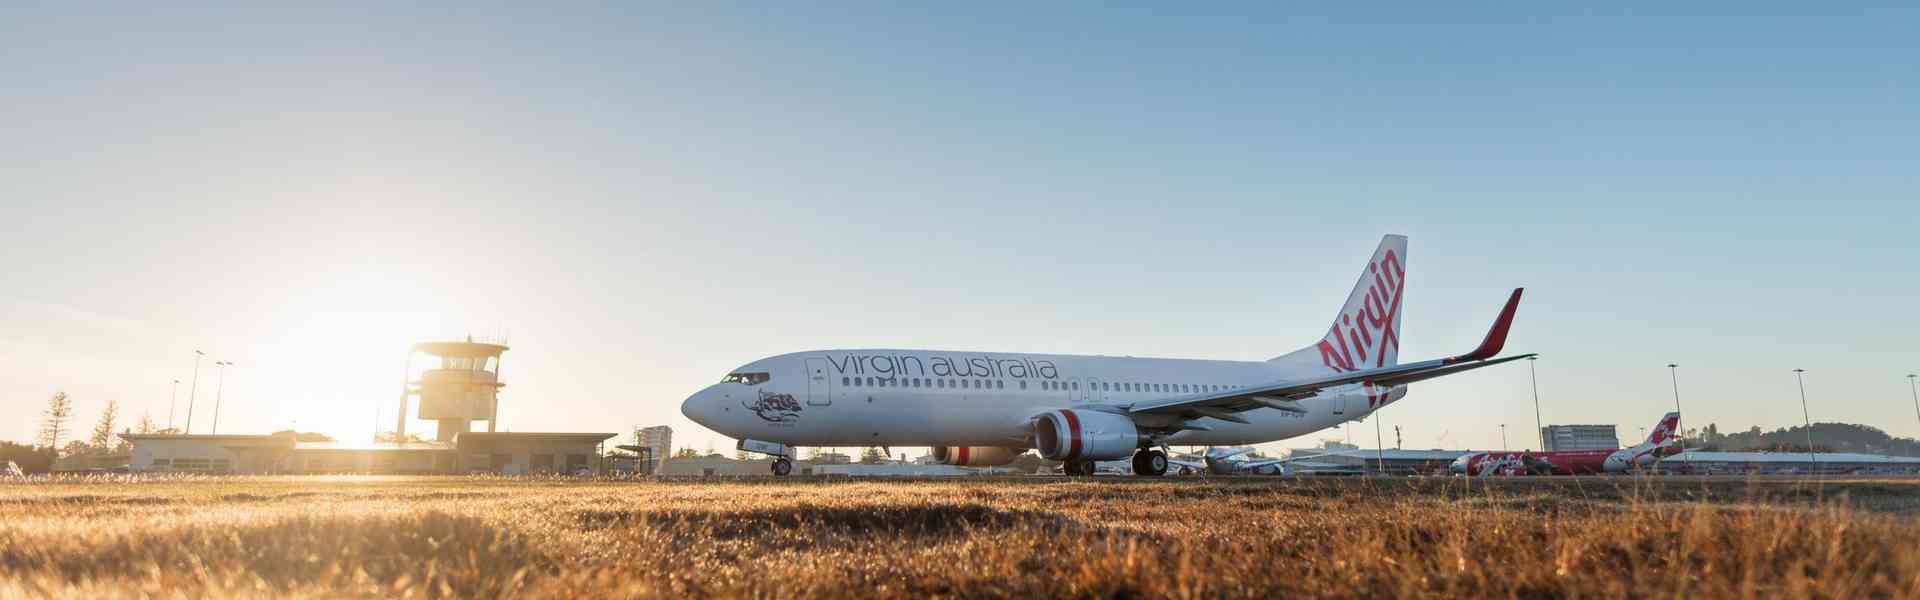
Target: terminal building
(1386, 461)
(460, 387)
(1579, 437)
(1697, 462)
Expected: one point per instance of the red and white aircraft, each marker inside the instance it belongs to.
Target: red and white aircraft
(986, 408)
(1662, 442)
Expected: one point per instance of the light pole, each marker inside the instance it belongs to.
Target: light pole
(1537, 429)
(1379, 448)
(1503, 437)
(1673, 372)
(172, 402)
(1807, 420)
(217, 390)
(1916, 394)
(193, 391)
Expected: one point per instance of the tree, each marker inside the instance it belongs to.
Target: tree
(145, 425)
(686, 452)
(102, 440)
(872, 456)
(53, 423)
(31, 460)
(384, 437)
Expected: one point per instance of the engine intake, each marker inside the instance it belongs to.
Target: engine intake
(976, 456)
(1085, 435)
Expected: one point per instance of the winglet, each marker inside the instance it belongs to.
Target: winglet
(1496, 337)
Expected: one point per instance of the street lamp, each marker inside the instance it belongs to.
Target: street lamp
(1797, 377)
(1673, 373)
(217, 390)
(1537, 429)
(172, 402)
(1916, 394)
(193, 391)
(1503, 437)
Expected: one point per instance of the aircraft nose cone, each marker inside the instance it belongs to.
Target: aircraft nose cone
(698, 408)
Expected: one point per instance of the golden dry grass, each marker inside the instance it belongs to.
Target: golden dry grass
(438, 537)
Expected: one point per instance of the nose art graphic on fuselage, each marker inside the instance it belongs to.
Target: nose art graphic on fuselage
(775, 408)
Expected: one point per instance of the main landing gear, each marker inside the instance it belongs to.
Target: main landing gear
(1149, 463)
(782, 467)
(1077, 468)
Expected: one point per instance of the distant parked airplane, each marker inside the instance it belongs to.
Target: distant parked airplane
(1227, 461)
(1661, 442)
(986, 408)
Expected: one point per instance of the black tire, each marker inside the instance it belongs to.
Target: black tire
(782, 467)
(1150, 463)
(1077, 468)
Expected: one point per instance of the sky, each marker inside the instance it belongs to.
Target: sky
(641, 197)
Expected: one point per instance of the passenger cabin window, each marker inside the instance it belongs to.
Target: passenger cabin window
(746, 378)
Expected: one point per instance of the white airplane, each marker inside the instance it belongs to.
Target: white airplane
(1227, 461)
(986, 408)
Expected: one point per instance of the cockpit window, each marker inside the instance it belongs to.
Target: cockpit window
(746, 378)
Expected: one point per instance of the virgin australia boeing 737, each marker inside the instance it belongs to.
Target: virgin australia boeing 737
(986, 408)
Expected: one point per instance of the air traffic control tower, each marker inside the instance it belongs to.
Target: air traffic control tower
(465, 387)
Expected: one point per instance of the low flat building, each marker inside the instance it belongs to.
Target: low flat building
(1379, 462)
(469, 452)
(720, 466)
(1696, 462)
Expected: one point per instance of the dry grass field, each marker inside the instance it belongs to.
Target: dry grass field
(1442, 538)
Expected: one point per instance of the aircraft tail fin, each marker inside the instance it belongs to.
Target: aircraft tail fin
(1667, 429)
(1366, 332)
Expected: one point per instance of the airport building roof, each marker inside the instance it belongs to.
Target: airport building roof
(1791, 457)
(1388, 454)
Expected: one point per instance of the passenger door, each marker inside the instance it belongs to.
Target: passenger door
(818, 391)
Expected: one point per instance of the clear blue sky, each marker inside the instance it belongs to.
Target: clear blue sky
(645, 197)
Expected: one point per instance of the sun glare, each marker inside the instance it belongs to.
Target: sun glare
(338, 367)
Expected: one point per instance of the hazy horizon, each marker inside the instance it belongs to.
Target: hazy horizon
(642, 198)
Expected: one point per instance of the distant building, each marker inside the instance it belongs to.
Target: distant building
(1390, 461)
(720, 466)
(469, 452)
(1579, 437)
(1697, 462)
(459, 388)
(660, 439)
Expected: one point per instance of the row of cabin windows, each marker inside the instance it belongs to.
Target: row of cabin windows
(918, 382)
(997, 384)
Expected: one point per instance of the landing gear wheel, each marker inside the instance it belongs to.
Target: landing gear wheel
(1150, 463)
(782, 467)
(1078, 467)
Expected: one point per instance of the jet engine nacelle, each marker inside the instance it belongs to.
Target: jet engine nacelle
(976, 456)
(1085, 435)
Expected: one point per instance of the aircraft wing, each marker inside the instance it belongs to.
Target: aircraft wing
(1283, 395)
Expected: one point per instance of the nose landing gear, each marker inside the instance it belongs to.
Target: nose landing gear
(782, 467)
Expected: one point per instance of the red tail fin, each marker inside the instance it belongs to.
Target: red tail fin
(1665, 430)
